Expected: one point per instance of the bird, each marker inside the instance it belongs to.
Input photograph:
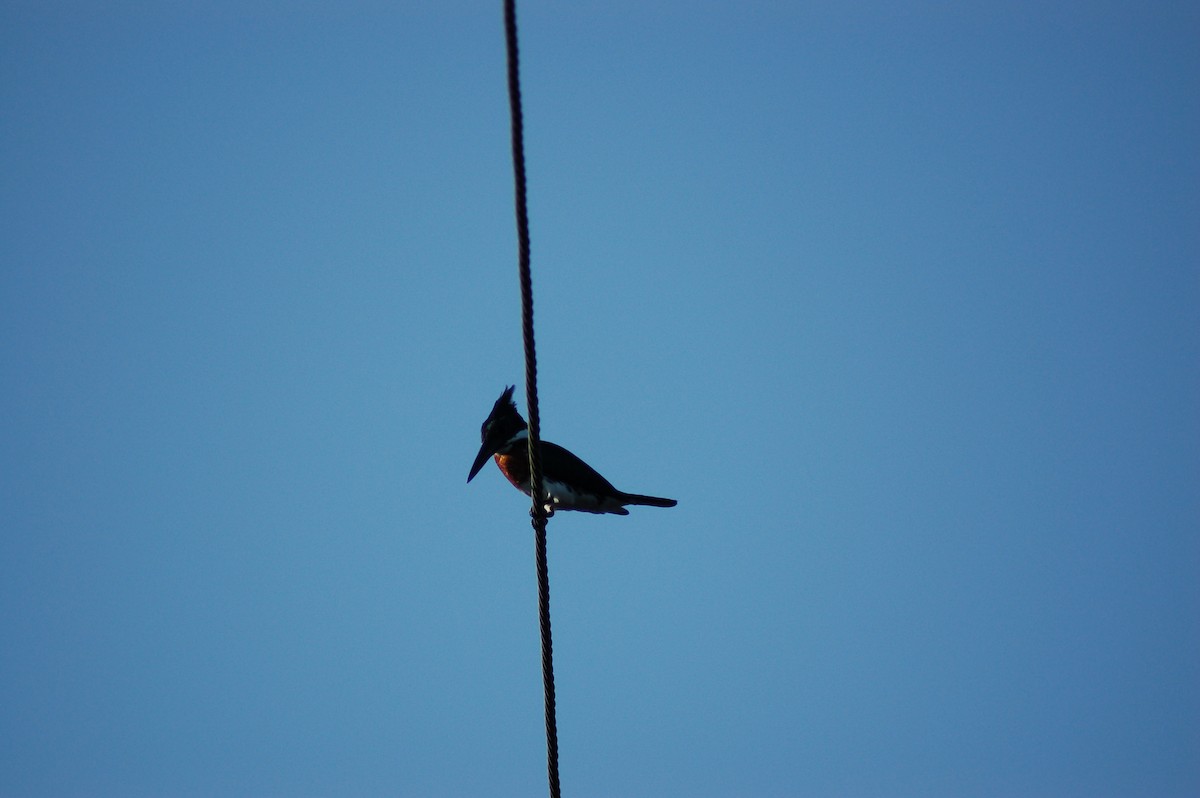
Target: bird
(568, 482)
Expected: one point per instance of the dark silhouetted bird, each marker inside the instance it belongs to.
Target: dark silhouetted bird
(568, 482)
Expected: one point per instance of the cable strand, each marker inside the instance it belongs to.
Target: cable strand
(538, 509)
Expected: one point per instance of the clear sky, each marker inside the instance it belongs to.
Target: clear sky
(900, 301)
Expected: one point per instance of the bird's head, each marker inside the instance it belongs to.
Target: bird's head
(499, 428)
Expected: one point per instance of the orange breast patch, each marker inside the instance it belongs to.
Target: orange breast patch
(516, 468)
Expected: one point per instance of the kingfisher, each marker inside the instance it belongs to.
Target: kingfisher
(569, 483)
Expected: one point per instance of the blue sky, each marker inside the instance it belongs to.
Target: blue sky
(900, 303)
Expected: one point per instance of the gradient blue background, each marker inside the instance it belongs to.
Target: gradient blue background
(902, 303)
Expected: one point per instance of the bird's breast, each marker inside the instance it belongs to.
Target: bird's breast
(515, 468)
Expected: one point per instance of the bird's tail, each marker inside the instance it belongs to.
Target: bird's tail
(652, 501)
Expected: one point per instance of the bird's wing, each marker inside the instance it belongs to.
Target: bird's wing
(558, 462)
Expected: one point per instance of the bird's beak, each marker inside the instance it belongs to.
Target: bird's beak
(485, 451)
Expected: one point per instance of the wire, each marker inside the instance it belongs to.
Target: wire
(538, 511)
